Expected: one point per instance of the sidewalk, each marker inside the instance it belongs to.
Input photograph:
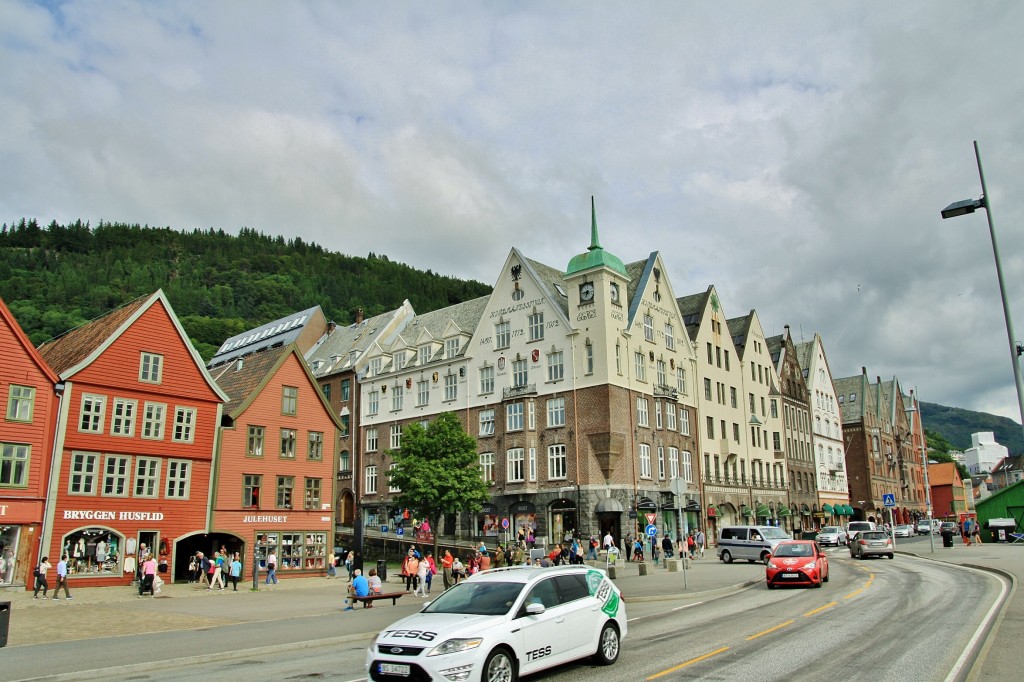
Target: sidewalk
(112, 611)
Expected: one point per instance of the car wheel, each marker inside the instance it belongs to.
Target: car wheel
(499, 667)
(825, 579)
(890, 557)
(770, 586)
(608, 645)
(765, 556)
(726, 556)
(818, 584)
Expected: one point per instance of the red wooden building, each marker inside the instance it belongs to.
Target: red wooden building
(30, 405)
(274, 479)
(134, 446)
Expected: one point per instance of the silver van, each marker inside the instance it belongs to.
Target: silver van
(753, 543)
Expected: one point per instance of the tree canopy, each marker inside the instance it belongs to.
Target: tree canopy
(437, 470)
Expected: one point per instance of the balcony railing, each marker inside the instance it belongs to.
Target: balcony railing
(517, 391)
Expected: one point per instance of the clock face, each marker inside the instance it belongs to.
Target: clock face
(615, 292)
(587, 292)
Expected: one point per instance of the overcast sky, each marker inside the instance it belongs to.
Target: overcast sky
(794, 154)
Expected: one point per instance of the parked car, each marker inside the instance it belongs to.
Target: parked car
(854, 527)
(871, 543)
(796, 562)
(753, 543)
(924, 527)
(832, 535)
(504, 623)
(949, 526)
(903, 531)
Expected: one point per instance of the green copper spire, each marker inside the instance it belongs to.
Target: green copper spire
(595, 256)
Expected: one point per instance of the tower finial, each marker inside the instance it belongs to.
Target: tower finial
(594, 243)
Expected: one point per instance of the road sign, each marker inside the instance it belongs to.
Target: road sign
(504, 523)
(889, 500)
(383, 529)
(651, 530)
(399, 531)
(651, 517)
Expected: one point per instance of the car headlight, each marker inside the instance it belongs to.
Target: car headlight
(455, 645)
(811, 566)
(771, 564)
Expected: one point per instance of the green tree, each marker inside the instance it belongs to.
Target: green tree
(438, 471)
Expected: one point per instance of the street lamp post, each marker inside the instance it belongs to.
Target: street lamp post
(970, 206)
(924, 462)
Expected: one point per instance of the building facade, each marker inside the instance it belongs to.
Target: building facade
(984, 453)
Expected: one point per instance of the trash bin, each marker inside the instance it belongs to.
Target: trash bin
(382, 570)
(947, 538)
(5, 621)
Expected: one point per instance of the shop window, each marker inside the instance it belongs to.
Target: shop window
(93, 551)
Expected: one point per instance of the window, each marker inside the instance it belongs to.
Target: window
(514, 459)
(153, 421)
(316, 446)
(736, 432)
(251, 484)
(147, 476)
(670, 338)
(312, 493)
(531, 464)
(502, 335)
(711, 357)
(732, 397)
(556, 412)
(115, 476)
(726, 360)
(707, 388)
(684, 422)
(618, 358)
(640, 366)
(345, 422)
(392, 486)
(14, 459)
(326, 389)
(20, 402)
(711, 427)
(424, 354)
(642, 418)
(372, 402)
(179, 478)
(673, 462)
(687, 467)
(531, 415)
(514, 417)
(588, 352)
(399, 360)
(287, 444)
(520, 373)
(370, 480)
(93, 409)
(422, 392)
(648, 328)
(451, 347)
(670, 416)
(371, 440)
(486, 422)
(373, 367)
(661, 462)
(486, 380)
(82, 479)
(657, 414)
(662, 375)
(535, 322)
(645, 460)
(285, 488)
(395, 436)
(184, 424)
(774, 409)
(681, 380)
(151, 368)
(556, 461)
(451, 387)
(555, 367)
(487, 466)
(346, 389)
(254, 442)
(289, 400)
(397, 398)
(345, 461)
(122, 418)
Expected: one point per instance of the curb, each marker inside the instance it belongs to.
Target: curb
(717, 592)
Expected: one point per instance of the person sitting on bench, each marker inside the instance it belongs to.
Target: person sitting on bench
(360, 587)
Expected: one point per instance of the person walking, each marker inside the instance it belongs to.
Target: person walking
(592, 549)
(202, 568)
(410, 569)
(40, 576)
(976, 534)
(331, 573)
(235, 571)
(420, 585)
(148, 576)
(62, 578)
(446, 568)
(431, 569)
(350, 559)
(272, 568)
(699, 539)
(216, 571)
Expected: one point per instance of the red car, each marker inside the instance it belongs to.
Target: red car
(797, 562)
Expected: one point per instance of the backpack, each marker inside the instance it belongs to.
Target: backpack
(36, 573)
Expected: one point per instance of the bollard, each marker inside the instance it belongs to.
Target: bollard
(643, 569)
(674, 565)
(612, 572)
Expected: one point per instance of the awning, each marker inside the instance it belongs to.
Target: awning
(847, 510)
(490, 509)
(805, 510)
(1000, 523)
(609, 504)
(763, 510)
(827, 508)
(783, 510)
(747, 512)
(646, 504)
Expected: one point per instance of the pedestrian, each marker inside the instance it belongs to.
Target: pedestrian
(976, 534)
(431, 569)
(40, 576)
(374, 582)
(691, 545)
(330, 566)
(638, 550)
(192, 564)
(699, 539)
(446, 569)
(457, 571)
(350, 559)
(217, 571)
(203, 567)
(62, 578)
(592, 549)
(666, 545)
(235, 571)
(148, 576)
(608, 541)
(360, 587)
(499, 556)
(272, 568)
(422, 568)
(410, 570)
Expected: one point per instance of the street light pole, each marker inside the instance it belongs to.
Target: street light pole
(969, 206)
(924, 461)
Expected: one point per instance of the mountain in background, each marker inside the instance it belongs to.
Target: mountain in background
(58, 277)
(956, 425)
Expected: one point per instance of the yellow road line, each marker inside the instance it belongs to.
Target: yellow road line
(821, 608)
(765, 632)
(689, 662)
(854, 593)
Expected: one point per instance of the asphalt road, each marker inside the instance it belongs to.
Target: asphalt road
(905, 619)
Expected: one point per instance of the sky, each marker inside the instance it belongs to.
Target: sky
(794, 154)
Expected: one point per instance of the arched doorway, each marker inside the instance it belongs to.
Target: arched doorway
(562, 519)
(346, 508)
(524, 519)
(609, 517)
(207, 543)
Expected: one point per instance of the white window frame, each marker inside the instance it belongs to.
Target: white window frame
(451, 387)
(661, 462)
(20, 403)
(681, 380)
(673, 462)
(487, 467)
(642, 414)
(370, 480)
(451, 347)
(154, 416)
(395, 436)
(122, 417)
(662, 375)
(556, 412)
(502, 335)
(670, 416)
(514, 417)
(557, 462)
(531, 464)
(670, 337)
(520, 372)
(658, 421)
(648, 328)
(687, 460)
(640, 366)
(422, 392)
(83, 477)
(487, 379)
(93, 413)
(424, 354)
(184, 424)
(146, 482)
(487, 422)
(684, 421)
(391, 487)
(179, 479)
(151, 368)
(371, 439)
(535, 323)
(372, 402)
(515, 465)
(645, 460)
(118, 478)
(397, 398)
(556, 366)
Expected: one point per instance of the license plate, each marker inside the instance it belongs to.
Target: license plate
(394, 669)
(790, 575)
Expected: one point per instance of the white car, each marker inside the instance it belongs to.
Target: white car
(831, 535)
(904, 531)
(503, 623)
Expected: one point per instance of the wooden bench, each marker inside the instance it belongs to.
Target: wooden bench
(367, 600)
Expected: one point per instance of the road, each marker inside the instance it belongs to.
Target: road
(875, 619)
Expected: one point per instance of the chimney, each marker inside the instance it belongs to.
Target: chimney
(359, 315)
(330, 327)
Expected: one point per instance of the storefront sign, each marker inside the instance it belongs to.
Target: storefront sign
(265, 518)
(98, 515)
(3, 510)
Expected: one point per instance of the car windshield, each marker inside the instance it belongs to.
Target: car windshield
(874, 535)
(775, 533)
(786, 549)
(477, 598)
(829, 529)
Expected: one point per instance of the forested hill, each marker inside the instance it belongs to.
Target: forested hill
(57, 277)
(957, 424)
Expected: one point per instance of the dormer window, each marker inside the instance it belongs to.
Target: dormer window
(373, 368)
(399, 360)
(424, 354)
(451, 347)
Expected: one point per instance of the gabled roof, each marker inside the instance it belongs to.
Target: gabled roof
(551, 280)
(943, 473)
(693, 306)
(358, 337)
(804, 354)
(76, 349)
(776, 344)
(280, 332)
(1009, 463)
(242, 378)
(739, 327)
(22, 339)
(465, 315)
(845, 386)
